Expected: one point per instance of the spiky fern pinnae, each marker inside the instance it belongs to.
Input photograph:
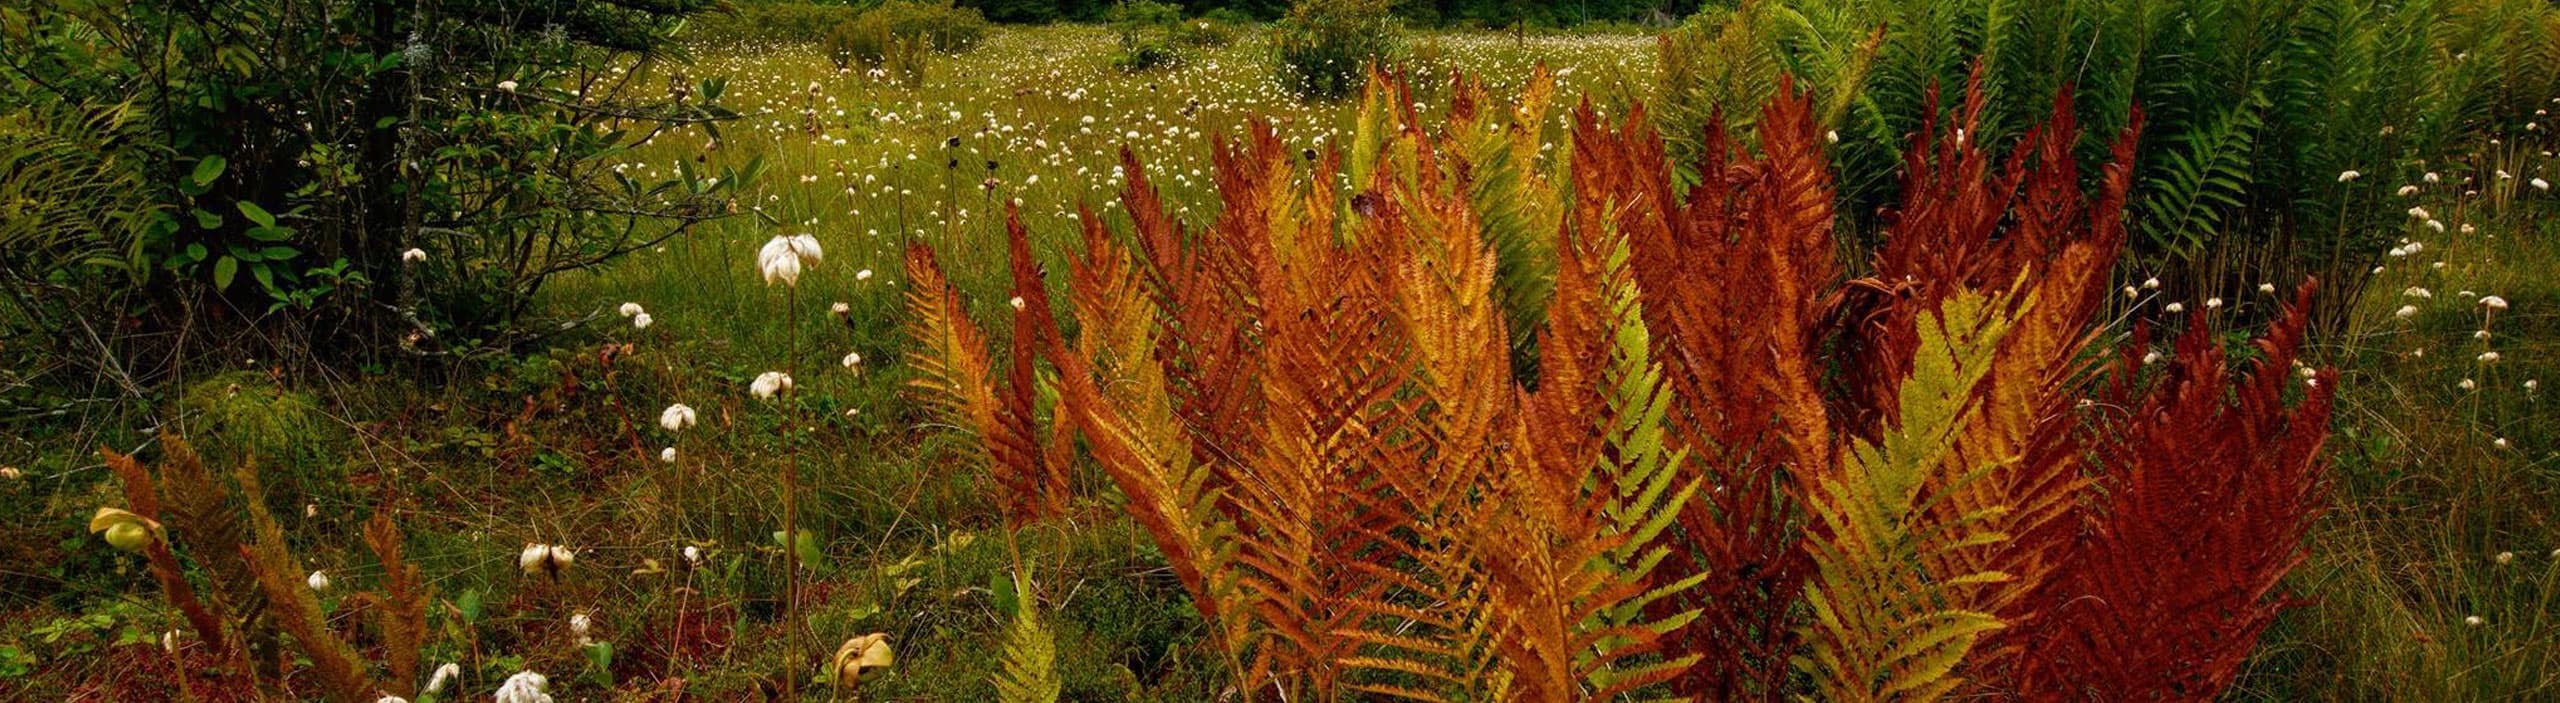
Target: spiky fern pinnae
(1885, 627)
(1030, 657)
(2201, 179)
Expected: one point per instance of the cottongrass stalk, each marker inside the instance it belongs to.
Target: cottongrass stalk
(781, 261)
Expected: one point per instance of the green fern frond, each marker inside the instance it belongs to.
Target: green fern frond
(1030, 669)
(2203, 177)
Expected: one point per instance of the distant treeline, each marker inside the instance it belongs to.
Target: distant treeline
(1490, 13)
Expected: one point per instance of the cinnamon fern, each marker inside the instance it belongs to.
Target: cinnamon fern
(1486, 424)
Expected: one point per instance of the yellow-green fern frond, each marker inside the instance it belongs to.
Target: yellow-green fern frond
(1030, 673)
(1885, 627)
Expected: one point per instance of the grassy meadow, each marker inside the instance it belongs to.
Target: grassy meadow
(2434, 573)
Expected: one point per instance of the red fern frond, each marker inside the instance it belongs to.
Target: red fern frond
(2206, 492)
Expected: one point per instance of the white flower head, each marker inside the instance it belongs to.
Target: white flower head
(2489, 357)
(676, 417)
(667, 455)
(2539, 184)
(2405, 312)
(2493, 302)
(2151, 284)
(444, 675)
(524, 687)
(318, 580)
(507, 86)
(840, 309)
(693, 555)
(2267, 288)
(630, 309)
(2406, 191)
(642, 321)
(769, 383)
(852, 359)
(783, 258)
(2175, 308)
(414, 255)
(548, 559)
(2211, 303)
(2349, 175)
(862, 275)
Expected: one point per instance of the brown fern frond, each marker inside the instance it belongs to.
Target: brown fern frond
(2210, 477)
(142, 497)
(400, 612)
(955, 376)
(295, 608)
(1040, 487)
(1739, 360)
(2059, 248)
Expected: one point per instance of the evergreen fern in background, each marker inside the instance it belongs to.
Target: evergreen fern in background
(2255, 106)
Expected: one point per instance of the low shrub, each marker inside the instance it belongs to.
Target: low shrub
(944, 27)
(1147, 32)
(1323, 44)
(865, 40)
(1206, 32)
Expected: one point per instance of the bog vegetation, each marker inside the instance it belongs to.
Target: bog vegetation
(1340, 350)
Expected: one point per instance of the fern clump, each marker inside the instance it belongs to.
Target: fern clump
(1496, 426)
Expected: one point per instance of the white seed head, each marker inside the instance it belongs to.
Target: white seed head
(769, 383)
(318, 580)
(444, 675)
(524, 687)
(414, 255)
(630, 309)
(676, 417)
(642, 321)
